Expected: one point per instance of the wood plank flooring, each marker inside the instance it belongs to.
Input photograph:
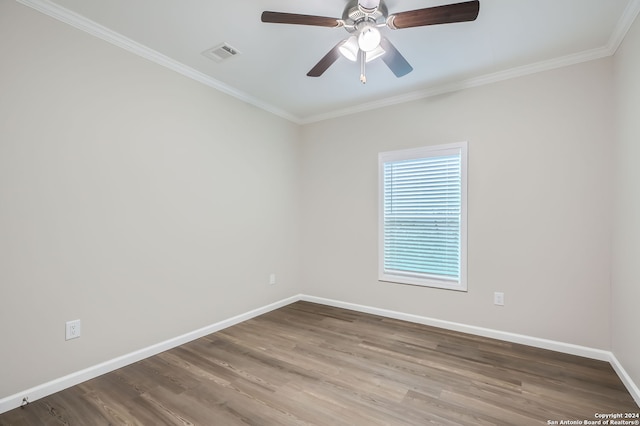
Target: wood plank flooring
(309, 364)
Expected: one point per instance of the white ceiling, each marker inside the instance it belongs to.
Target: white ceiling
(509, 38)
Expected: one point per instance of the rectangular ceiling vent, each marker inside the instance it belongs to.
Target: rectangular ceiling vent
(221, 52)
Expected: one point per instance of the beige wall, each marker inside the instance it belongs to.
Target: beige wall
(131, 197)
(626, 236)
(134, 199)
(539, 204)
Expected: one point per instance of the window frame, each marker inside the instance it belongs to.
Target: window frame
(415, 153)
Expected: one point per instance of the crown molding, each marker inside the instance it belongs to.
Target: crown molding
(80, 22)
(496, 77)
(624, 25)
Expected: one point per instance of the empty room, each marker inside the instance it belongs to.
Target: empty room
(344, 212)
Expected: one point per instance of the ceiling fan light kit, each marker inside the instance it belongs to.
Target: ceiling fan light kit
(369, 38)
(349, 48)
(362, 18)
(375, 53)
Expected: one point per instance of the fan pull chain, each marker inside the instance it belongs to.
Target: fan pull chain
(363, 60)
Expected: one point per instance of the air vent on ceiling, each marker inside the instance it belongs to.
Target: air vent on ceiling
(221, 52)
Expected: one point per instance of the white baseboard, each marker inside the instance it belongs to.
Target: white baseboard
(40, 391)
(553, 345)
(48, 388)
(626, 379)
(470, 329)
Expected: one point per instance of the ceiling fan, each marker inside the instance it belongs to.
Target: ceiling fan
(362, 18)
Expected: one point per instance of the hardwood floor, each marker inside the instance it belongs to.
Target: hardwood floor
(312, 364)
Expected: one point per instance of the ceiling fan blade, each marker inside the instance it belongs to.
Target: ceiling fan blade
(447, 14)
(325, 62)
(394, 59)
(294, 18)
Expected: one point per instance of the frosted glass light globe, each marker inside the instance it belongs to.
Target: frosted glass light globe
(369, 38)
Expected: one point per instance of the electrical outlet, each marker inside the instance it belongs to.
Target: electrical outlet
(498, 298)
(72, 329)
(272, 279)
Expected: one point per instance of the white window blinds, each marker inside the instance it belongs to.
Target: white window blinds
(422, 237)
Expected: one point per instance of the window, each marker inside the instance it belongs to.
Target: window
(422, 216)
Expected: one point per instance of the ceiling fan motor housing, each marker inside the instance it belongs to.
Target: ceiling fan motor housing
(354, 18)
